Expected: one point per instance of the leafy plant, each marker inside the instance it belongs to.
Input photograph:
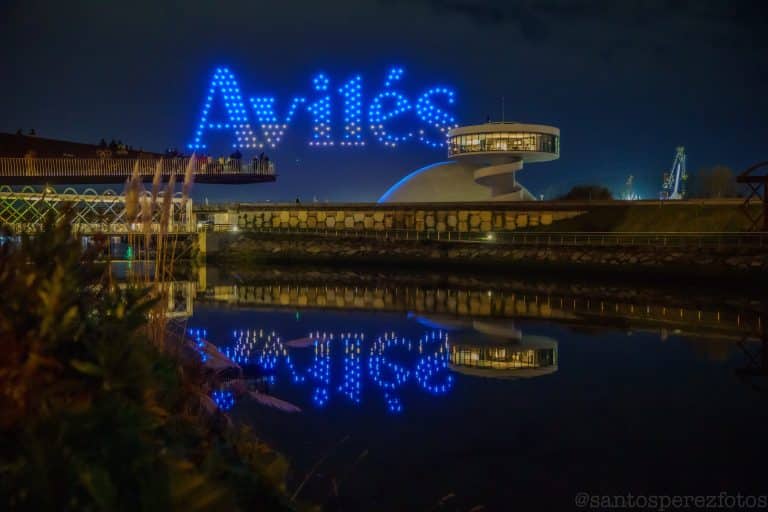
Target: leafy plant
(95, 416)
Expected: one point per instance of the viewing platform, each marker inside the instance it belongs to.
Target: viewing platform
(40, 171)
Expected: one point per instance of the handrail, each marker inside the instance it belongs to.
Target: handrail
(537, 239)
(106, 228)
(110, 167)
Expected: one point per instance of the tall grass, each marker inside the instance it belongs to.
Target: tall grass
(96, 412)
(153, 235)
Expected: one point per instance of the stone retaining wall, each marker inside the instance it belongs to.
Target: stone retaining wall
(436, 219)
(286, 248)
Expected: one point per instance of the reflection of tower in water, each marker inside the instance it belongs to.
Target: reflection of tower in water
(496, 349)
(533, 356)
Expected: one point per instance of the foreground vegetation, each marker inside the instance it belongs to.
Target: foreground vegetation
(97, 416)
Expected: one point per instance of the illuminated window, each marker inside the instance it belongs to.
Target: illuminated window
(503, 141)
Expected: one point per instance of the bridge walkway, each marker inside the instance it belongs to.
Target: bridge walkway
(41, 171)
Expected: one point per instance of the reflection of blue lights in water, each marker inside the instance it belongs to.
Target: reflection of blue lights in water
(389, 375)
(198, 336)
(393, 363)
(320, 371)
(393, 403)
(433, 364)
(224, 400)
(379, 366)
(296, 377)
(271, 351)
(350, 385)
(255, 347)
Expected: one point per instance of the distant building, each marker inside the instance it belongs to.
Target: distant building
(483, 161)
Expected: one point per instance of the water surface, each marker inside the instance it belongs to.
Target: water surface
(509, 393)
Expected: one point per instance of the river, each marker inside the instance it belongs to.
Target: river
(430, 391)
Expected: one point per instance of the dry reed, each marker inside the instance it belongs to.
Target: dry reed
(153, 227)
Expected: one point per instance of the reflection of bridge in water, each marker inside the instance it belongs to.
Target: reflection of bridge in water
(482, 337)
(495, 348)
(181, 297)
(483, 332)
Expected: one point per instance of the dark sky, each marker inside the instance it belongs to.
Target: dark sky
(626, 81)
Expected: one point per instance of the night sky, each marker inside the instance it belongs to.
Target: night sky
(626, 81)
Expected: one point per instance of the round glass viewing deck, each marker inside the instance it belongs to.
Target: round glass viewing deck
(504, 142)
(510, 139)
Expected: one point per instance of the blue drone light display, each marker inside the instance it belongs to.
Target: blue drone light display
(427, 116)
(225, 84)
(223, 399)
(351, 92)
(350, 386)
(392, 363)
(198, 337)
(433, 364)
(320, 370)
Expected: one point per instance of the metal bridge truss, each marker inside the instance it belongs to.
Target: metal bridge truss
(755, 205)
(756, 354)
(24, 211)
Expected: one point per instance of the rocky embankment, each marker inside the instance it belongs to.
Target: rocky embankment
(706, 261)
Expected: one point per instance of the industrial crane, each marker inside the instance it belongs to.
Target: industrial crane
(673, 186)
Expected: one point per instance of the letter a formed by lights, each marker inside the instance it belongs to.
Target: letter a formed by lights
(225, 84)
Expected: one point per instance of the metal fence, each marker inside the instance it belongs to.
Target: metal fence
(94, 228)
(522, 238)
(124, 167)
(26, 211)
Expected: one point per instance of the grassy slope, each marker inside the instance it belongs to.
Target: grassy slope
(661, 218)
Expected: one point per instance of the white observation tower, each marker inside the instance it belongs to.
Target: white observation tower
(483, 161)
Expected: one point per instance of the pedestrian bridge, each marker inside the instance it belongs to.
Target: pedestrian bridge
(106, 212)
(40, 171)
